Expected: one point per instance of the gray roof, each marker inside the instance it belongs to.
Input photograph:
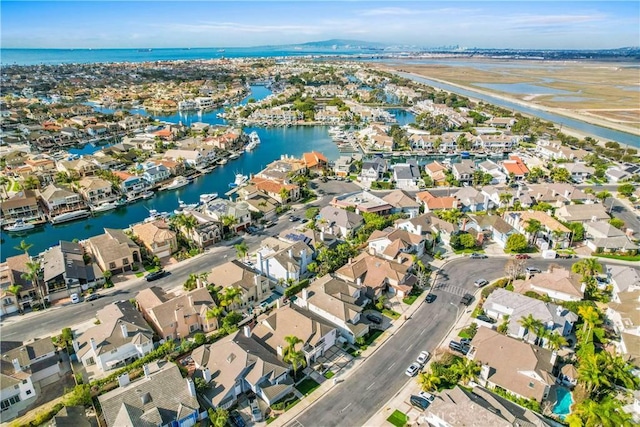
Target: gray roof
(71, 416)
(157, 399)
(67, 259)
(624, 277)
(341, 217)
(406, 171)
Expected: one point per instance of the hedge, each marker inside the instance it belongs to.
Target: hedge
(292, 290)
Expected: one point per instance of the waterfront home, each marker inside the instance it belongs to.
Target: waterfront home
(161, 398)
(559, 194)
(433, 203)
(15, 159)
(515, 168)
(59, 200)
(344, 166)
(379, 275)
(156, 236)
(65, 271)
(238, 364)
(594, 212)
(339, 221)
(191, 158)
(496, 227)
(579, 172)
(133, 122)
(207, 231)
(284, 168)
(113, 251)
(11, 272)
(25, 369)
(470, 199)
(558, 283)
(96, 190)
(284, 262)
(255, 286)
(239, 212)
(437, 173)
(402, 202)
(121, 337)
(495, 142)
(132, 185)
(493, 169)
(276, 189)
(392, 242)
(511, 307)
(362, 201)
(317, 334)
(501, 122)
(22, 205)
(277, 114)
(176, 317)
(155, 174)
(553, 234)
(315, 161)
(554, 150)
(83, 167)
(372, 170)
(604, 237)
(521, 369)
(406, 175)
(338, 302)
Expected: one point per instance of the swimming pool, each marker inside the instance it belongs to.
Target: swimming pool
(562, 408)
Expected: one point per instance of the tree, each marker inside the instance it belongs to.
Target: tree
(23, 246)
(626, 189)
(590, 373)
(467, 241)
(291, 341)
(618, 371)
(466, 369)
(555, 341)
(230, 296)
(450, 215)
(107, 274)
(587, 267)
(577, 231)
(590, 318)
(533, 228)
(218, 417)
(31, 182)
(603, 195)
(284, 195)
(617, 223)
(312, 213)
(505, 198)
(514, 268)
(34, 269)
(606, 413)
(428, 381)
(215, 313)
(516, 243)
(530, 324)
(296, 359)
(560, 175)
(241, 249)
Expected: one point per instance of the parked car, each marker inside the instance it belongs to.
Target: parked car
(564, 256)
(373, 318)
(476, 255)
(269, 224)
(412, 370)
(75, 298)
(427, 396)
(92, 297)
(155, 275)
(236, 419)
(522, 256)
(419, 402)
(480, 283)
(293, 218)
(456, 346)
(466, 299)
(430, 298)
(465, 341)
(423, 357)
(486, 318)
(531, 270)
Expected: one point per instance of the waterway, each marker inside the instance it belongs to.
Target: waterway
(598, 131)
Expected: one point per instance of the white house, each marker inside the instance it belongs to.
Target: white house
(283, 261)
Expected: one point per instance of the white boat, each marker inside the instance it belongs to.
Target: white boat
(179, 182)
(183, 205)
(206, 198)
(222, 161)
(70, 216)
(234, 155)
(250, 146)
(240, 179)
(147, 195)
(19, 225)
(103, 207)
(253, 137)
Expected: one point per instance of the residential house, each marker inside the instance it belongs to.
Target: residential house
(315, 161)
(207, 231)
(579, 172)
(493, 142)
(113, 251)
(402, 202)
(390, 243)
(58, 200)
(553, 234)
(255, 286)
(154, 174)
(512, 307)
(437, 173)
(71, 416)
(277, 188)
(156, 236)
(132, 185)
(557, 283)
(472, 200)
(554, 150)
(501, 122)
(96, 190)
(176, 317)
(282, 261)
(338, 302)
(463, 171)
(362, 201)
(372, 170)
(433, 203)
(22, 205)
(624, 315)
(429, 223)
(494, 226)
(604, 237)
(340, 221)
(133, 122)
(623, 279)
(121, 337)
(259, 202)
(312, 238)
(559, 194)
(406, 175)
(616, 174)
(317, 334)
(521, 369)
(238, 212)
(493, 169)
(83, 166)
(515, 168)
(379, 275)
(583, 213)
(11, 272)
(191, 158)
(160, 398)
(344, 166)
(65, 271)
(238, 364)
(283, 169)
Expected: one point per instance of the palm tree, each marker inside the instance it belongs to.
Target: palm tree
(31, 182)
(228, 221)
(533, 228)
(284, 195)
(15, 291)
(591, 318)
(555, 341)
(505, 198)
(450, 215)
(590, 373)
(231, 296)
(603, 195)
(241, 249)
(587, 267)
(296, 359)
(428, 381)
(23, 246)
(606, 413)
(191, 282)
(292, 341)
(466, 369)
(3, 183)
(33, 275)
(530, 324)
(618, 371)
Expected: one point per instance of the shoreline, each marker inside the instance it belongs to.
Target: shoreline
(552, 110)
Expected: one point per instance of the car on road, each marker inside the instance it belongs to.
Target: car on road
(423, 357)
(480, 283)
(531, 270)
(427, 396)
(269, 224)
(294, 219)
(75, 298)
(419, 402)
(476, 255)
(522, 256)
(92, 297)
(564, 256)
(373, 318)
(466, 299)
(430, 298)
(155, 275)
(304, 220)
(486, 318)
(412, 370)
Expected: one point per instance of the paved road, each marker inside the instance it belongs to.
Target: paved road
(621, 211)
(382, 375)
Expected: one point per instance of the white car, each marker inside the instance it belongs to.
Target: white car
(412, 370)
(423, 357)
(427, 396)
(480, 283)
(75, 298)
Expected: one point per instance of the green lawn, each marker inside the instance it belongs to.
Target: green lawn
(151, 268)
(372, 336)
(390, 313)
(398, 419)
(139, 274)
(469, 251)
(464, 334)
(307, 386)
(620, 257)
(329, 374)
(410, 299)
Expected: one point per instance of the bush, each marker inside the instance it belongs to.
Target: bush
(516, 243)
(199, 338)
(292, 290)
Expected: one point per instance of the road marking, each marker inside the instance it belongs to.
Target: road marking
(452, 289)
(391, 366)
(370, 385)
(423, 331)
(411, 346)
(345, 408)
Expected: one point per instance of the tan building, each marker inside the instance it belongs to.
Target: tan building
(379, 274)
(113, 251)
(96, 190)
(255, 287)
(157, 238)
(176, 317)
(22, 205)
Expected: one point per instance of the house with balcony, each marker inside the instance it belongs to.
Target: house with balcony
(207, 231)
(113, 251)
(132, 185)
(344, 166)
(65, 271)
(372, 170)
(11, 271)
(239, 211)
(255, 286)
(176, 317)
(157, 237)
(463, 171)
(553, 234)
(426, 224)
(338, 302)
(493, 169)
(392, 242)
(276, 189)
(154, 174)
(406, 175)
(472, 200)
(558, 283)
(239, 364)
(520, 368)
(584, 214)
(515, 167)
(96, 190)
(492, 226)
(579, 171)
(362, 201)
(279, 260)
(22, 205)
(121, 337)
(437, 173)
(59, 200)
(340, 221)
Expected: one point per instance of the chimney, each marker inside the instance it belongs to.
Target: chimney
(16, 365)
(554, 356)
(259, 261)
(278, 304)
(322, 235)
(146, 370)
(350, 260)
(94, 347)
(247, 331)
(123, 379)
(256, 280)
(192, 387)
(179, 315)
(305, 294)
(206, 374)
(464, 225)
(485, 370)
(279, 350)
(290, 251)
(123, 328)
(419, 230)
(559, 310)
(359, 281)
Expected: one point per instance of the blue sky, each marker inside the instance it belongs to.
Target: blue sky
(502, 24)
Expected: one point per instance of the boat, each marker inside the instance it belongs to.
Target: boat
(103, 207)
(206, 198)
(254, 137)
(70, 216)
(179, 182)
(19, 225)
(147, 195)
(240, 179)
(183, 205)
(234, 155)
(250, 146)
(222, 161)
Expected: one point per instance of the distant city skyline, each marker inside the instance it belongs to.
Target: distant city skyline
(158, 24)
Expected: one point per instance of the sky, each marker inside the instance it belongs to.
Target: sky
(158, 24)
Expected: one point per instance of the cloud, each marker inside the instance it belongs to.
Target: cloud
(543, 21)
(245, 28)
(388, 11)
